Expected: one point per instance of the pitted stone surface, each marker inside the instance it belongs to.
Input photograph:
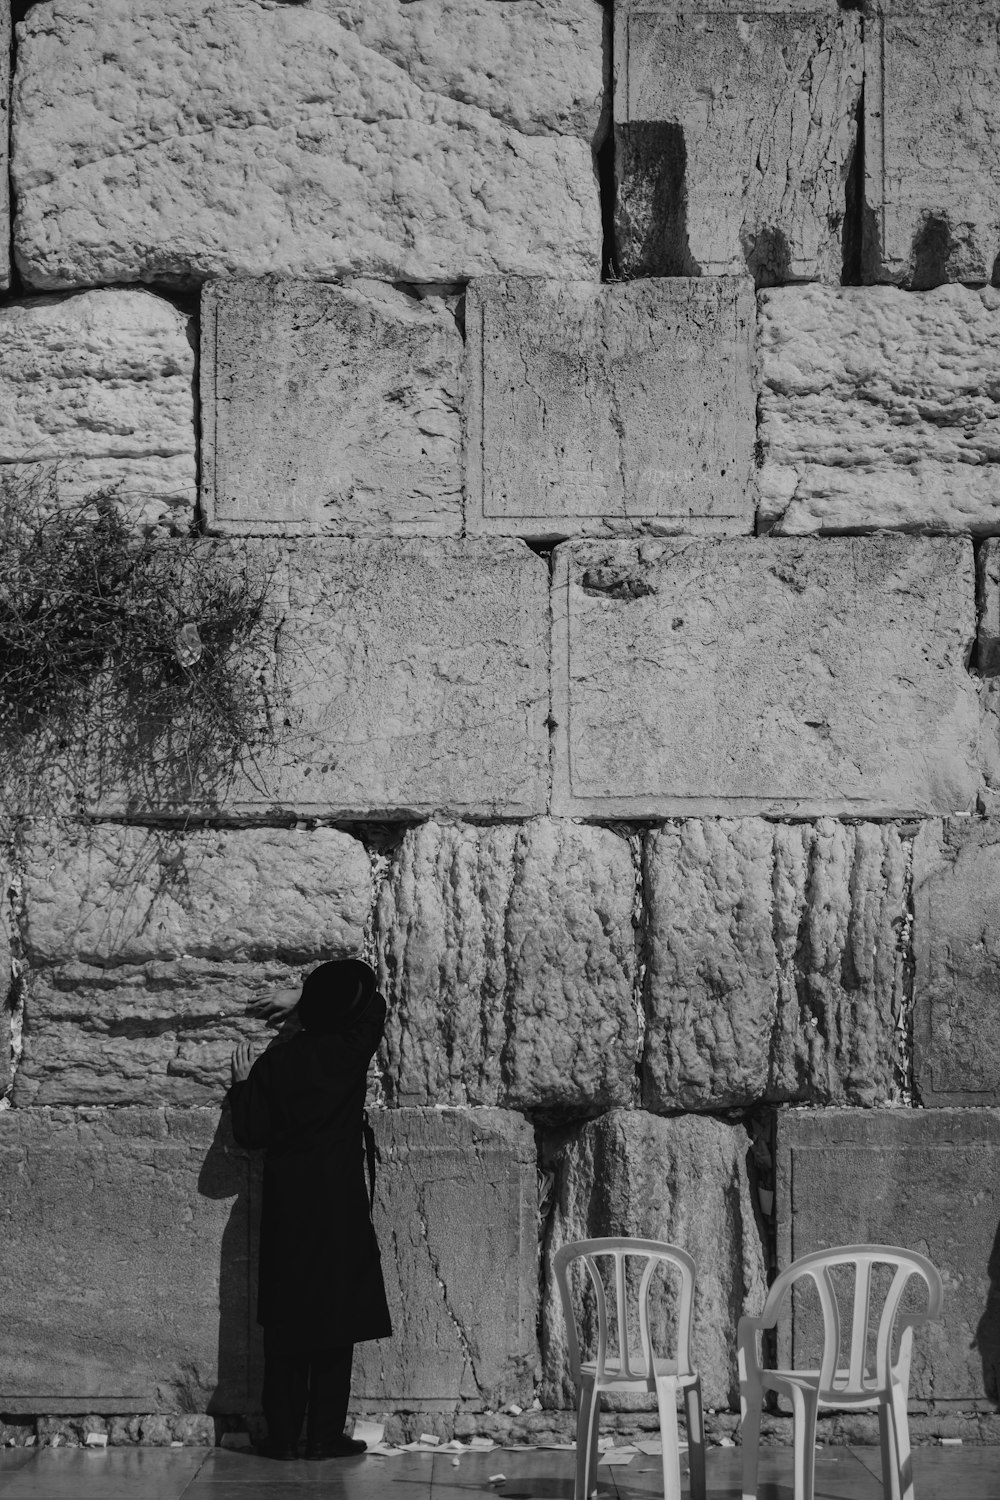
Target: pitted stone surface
(725, 677)
(879, 408)
(5, 56)
(138, 1226)
(6, 975)
(160, 139)
(621, 407)
(924, 1178)
(682, 1180)
(101, 386)
(507, 956)
(776, 963)
(735, 131)
(932, 160)
(329, 409)
(456, 1209)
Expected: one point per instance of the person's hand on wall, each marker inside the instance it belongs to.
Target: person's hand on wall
(242, 1062)
(276, 1005)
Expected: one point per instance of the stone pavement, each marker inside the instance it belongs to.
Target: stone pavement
(538, 1474)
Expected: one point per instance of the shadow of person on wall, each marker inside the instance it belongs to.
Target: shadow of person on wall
(987, 1339)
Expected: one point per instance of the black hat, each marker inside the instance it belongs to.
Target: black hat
(330, 999)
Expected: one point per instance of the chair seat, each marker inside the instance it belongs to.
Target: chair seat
(784, 1380)
(614, 1380)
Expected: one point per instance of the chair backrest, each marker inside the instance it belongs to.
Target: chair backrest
(654, 1253)
(857, 1376)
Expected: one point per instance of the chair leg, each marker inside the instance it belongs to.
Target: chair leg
(587, 1422)
(666, 1400)
(696, 1438)
(890, 1458)
(751, 1447)
(901, 1428)
(804, 1405)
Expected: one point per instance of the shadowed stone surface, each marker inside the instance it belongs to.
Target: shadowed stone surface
(160, 139)
(6, 924)
(329, 409)
(927, 1179)
(604, 408)
(137, 1226)
(776, 962)
(455, 1212)
(879, 408)
(507, 955)
(725, 677)
(735, 126)
(682, 1180)
(100, 386)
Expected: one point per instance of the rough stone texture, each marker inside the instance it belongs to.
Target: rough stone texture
(162, 138)
(684, 1181)
(329, 409)
(5, 41)
(932, 159)
(880, 408)
(507, 955)
(725, 677)
(126, 1273)
(735, 128)
(604, 408)
(455, 1210)
(101, 386)
(956, 897)
(6, 975)
(776, 963)
(927, 1179)
(988, 608)
(144, 947)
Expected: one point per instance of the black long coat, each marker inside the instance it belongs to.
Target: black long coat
(320, 1272)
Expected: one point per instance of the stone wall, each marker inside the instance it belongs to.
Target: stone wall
(610, 392)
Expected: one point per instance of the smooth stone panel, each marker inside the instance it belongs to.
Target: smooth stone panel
(624, 407)
(736, 126)
(129, 1242)
(682, 1180)
(879, 408)
(732, 677)
(928, 1179)
(329, 409)
(456, 1213)
(161, 140)
(777, 962)
(508, 958)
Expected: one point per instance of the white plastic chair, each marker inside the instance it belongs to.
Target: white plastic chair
(857, 1385)
(627, 1370)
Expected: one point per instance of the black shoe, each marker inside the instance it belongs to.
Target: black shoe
(342, 1447)
(281, 1451)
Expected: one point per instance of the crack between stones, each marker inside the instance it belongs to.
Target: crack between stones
(463, 1338)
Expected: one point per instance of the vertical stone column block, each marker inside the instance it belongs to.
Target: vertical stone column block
(455, 1212)
(727, 677)
(927, 1179)
(735, 128)
(610, 408)
(329, 409)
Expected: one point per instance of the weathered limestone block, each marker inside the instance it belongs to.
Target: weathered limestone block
(456, 1213)
(879, 408)
(5, 54)
(144, 947)
(507, 955)
(100, 386)
(129, 1239)
(956, 898)
(725, 677)
(603, 408)
(162, 138)
(329, 409)
(928, 1179)
(932, 160)
(6, 975)
(735, 129)
(776, 961)
(683, 1180)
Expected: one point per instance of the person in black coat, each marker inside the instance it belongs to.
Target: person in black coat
(321, 1289)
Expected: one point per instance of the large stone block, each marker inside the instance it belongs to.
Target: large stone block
(610, 408)
(932, 160)
(129, 1245)
(6, 977)
(456, 1213)
(879, 408)
(735, 130)
(100, 387)
(329, 409)
(725, 677)
(5, 56)
(776, 963)
(158, 139)
(507, 955)
(682, 1180)
(927, 1179)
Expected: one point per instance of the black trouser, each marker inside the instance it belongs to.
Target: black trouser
(295, 1378)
